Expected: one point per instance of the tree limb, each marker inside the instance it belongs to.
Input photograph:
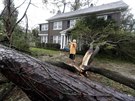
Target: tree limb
(22, 16)
(27, 25)
(94, 54)
(119, 41)
(17, 7)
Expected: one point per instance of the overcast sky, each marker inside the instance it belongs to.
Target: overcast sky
(39, 13)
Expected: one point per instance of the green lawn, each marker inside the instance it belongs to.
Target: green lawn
(41, 52)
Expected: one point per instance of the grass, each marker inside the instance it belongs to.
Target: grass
(43, 52)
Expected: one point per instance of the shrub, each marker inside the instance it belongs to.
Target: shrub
(48, 45)
(20, 41)
(52, 45)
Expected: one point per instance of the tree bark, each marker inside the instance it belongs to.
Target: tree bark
(50, 83)
(89, 56)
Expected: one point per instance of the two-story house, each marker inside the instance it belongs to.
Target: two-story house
(56, 30)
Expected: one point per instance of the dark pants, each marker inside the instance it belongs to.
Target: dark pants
(72, 56)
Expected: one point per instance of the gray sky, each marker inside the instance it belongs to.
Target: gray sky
(39, 13)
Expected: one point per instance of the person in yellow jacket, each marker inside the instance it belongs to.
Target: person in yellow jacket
(72, 47)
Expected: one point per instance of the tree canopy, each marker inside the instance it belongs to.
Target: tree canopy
(95, 29)
(106, 34)
(61, 5)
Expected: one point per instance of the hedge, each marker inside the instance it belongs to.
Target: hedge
(48, 45)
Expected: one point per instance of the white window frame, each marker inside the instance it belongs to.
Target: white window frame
(57, 25)
(57, 39)
(72, 23)
(44, 38)
(44, 27)
(102, 16)
(54, 39)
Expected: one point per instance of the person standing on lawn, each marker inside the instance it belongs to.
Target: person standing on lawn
(72, 47)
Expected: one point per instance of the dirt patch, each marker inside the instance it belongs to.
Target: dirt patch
(15, 95)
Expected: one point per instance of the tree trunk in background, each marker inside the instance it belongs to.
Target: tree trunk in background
(45, 82)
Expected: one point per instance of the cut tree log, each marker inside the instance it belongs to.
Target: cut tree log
(45, 82)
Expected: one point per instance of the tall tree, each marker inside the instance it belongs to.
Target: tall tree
(9, 17)
(128, 21)
(61, 5)
(76, 5)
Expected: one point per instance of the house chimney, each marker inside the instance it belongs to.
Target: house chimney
(91, 5)
(58, 12)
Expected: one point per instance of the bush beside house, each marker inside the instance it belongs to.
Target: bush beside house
(54, 46)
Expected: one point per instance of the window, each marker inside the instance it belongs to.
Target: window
(54, 39)
(102, 17)
(57, 39)
(44, 39)
(57, 25)
(109, 17)
(72, 23)
(44, 27)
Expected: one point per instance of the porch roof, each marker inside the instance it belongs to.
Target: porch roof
(65, 31)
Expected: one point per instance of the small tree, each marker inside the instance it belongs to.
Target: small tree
(19, 39)
(97, 33)
(34, 37)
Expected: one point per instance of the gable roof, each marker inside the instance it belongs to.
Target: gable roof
(119, 5)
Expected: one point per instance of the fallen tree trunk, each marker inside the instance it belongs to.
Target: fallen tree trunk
(102, 71)
(45, 82)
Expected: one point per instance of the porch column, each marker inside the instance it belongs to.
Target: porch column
(67, 40)
(61, 42)
(64, 41)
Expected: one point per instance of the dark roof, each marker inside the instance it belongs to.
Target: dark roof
(119, 5)
(43, 23)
